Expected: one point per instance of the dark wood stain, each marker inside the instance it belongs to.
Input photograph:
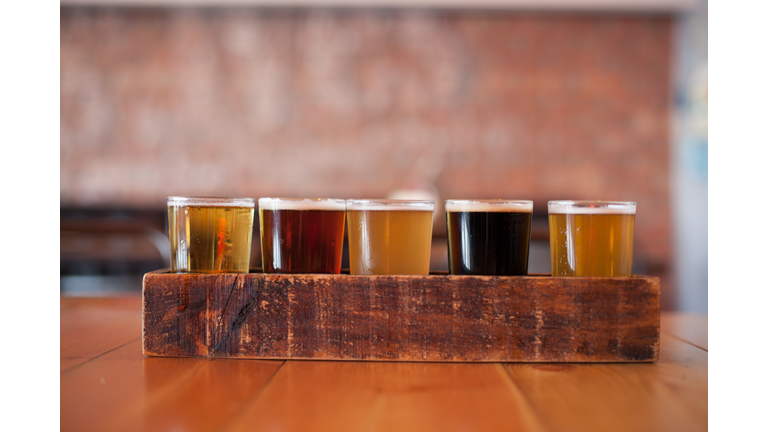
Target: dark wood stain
(402, 318)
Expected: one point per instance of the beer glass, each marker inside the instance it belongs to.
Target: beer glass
(488, 237)
(591, 238)
(210, 235)
(301, 235)
(388, 237)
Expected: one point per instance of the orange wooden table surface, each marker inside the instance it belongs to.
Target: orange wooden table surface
(107, 384)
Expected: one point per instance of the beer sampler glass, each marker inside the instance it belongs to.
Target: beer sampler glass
(591, 238)
(388, 237)
(488, 237)
(301, 235)
(210, 235)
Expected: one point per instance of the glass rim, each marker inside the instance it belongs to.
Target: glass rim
(390, 204)
(280, 203)
(591, 207)
(179, 201)
(489, 205)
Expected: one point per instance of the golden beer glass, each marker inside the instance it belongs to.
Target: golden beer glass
(591, 238)
(210, 235)
(389, 237)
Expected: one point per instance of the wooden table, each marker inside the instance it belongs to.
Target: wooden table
(108, 384)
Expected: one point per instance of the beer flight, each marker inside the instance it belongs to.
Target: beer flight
(394, 237)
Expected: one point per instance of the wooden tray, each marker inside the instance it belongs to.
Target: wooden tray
(443, 318)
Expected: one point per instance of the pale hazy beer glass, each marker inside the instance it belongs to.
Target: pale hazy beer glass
(388, 237)
(591, 238)
(210, 235)
(301, 235)
(488, 237)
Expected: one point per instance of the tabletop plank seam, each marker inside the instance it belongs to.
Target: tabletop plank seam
(100, 355)
(684, 340)
(528, 406)
(137, 407)
(669, 394)
(252, 400)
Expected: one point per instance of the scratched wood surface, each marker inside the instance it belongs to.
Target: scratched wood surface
(402, 318)
(117, 388)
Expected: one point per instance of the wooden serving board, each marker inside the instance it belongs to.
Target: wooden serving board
(402, 318)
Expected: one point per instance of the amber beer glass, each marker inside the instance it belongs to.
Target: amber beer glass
(488, 237)
(388, 237)
(210, 235)
(591, 238)
(301, 235)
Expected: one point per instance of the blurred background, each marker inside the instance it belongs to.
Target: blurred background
(518, 99)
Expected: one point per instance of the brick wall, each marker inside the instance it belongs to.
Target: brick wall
(360, 103)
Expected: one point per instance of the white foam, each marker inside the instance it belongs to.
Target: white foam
(302, 204)
(508, 206)
(178, 201)
(391, 205)
(591, 207)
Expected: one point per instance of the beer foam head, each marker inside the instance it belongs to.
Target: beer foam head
(591, 207)
(391, 205)
(494, 205)
(302, 204)
(179, 201)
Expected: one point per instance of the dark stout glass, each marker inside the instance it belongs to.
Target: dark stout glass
(489, 237)
(301, 235)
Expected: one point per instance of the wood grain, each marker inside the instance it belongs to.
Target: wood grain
(402, 318)
(381, 396)
(206, 401)
(689, 327)
(95, 395)
(124, 390)
(121, 389)
(670, 395)
(88, 332)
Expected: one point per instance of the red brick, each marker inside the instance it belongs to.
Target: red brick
(344, 103)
